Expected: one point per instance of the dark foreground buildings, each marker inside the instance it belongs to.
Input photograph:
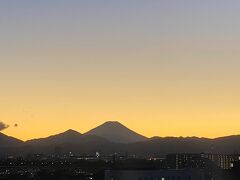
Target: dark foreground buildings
(164, 174)
(203, 160)
(115, 167)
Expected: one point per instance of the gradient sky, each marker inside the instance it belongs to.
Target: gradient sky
(161, 67)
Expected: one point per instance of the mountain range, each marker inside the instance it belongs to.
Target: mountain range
(112, 137)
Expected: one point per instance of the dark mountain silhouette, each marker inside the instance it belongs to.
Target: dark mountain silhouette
(157, 146)
(113, 137)
(8, 141)
(116, 132)
(166, 145)
(69, 141)
(227, 144)
(65, 137)
(9, 144)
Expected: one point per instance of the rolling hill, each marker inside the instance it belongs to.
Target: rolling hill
(8, 141)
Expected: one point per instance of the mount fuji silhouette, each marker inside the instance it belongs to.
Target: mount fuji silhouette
(116, 132)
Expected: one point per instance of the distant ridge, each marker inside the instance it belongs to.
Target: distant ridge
(65, 137)
(8, 141)
(116, 132)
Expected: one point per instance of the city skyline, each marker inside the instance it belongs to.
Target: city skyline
(161, 68)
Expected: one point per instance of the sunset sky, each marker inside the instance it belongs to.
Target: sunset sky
(160, 67)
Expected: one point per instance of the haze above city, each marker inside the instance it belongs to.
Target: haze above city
(162, 68)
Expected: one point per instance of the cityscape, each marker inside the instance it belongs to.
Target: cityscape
(171, 166)
(97, 154)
